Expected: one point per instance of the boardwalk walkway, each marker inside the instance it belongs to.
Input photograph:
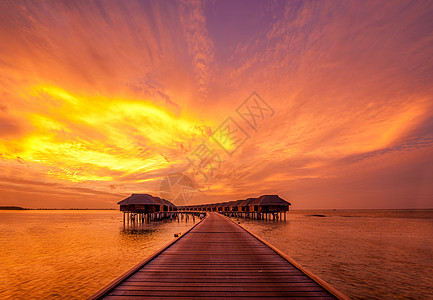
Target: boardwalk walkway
(217, 259)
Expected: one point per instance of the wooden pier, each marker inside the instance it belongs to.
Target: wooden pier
(218, 259)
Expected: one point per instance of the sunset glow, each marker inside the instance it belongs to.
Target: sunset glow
(99, 100)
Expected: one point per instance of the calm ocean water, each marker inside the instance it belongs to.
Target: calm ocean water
(366, 254)
(72, 254)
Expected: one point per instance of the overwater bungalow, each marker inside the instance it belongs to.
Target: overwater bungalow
(162, 205)
(269, 204)
(139, 203)
(213, 207)
(145, 206)
(234, 205)
(155, 208)
(245, 205)
(263, 207)
(167, 205)
(226, 206)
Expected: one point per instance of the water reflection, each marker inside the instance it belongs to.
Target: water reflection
(72, 254)
(365, 254)
(137, 231)
(150, 228)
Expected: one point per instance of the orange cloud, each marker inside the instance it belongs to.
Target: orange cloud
(106, 99)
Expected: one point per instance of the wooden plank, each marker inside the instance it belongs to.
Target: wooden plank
(224, 281)
(211, 284)
(105, 290)
(321, 282)
(202, 293)
(217, 260)
(217, 297)
(235, 288)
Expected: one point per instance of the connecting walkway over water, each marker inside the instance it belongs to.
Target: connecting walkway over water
(217, 259)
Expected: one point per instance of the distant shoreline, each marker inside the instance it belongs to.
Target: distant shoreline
(358, 209)
(12, 207)
(23, 208)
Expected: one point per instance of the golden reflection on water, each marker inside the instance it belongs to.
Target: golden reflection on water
(72, 254)
(366, 254)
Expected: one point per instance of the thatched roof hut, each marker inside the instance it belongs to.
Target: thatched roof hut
(203, 207)
(234, 205)
(163, 206)
(225, 206)
(213, 206)
(168, 206)
(219, 206)
(269, 203)
(245, 205)
(137, 199)
(144, 203)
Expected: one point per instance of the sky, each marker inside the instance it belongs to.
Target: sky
(326, 103)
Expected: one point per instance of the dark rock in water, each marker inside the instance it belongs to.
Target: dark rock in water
(321, 216)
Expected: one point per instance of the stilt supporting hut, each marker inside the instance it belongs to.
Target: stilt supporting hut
(265, 207)
(269, 206)
(142, 207)
(145, 207)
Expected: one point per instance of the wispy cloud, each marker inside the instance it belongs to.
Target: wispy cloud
(199, 45)
(109, 97)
